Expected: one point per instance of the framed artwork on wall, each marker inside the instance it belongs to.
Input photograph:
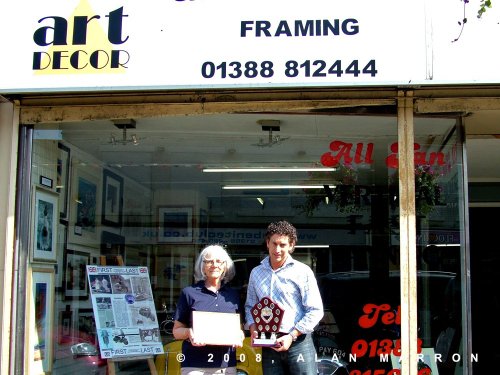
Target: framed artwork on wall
(86, 326)
(112, 199)
(175, 224)
(62, 183)
(84, 204)
(112, 247)
(86, 213)
(44, 238)
(65, 325)
(172, 273)
(40, 315)
(75, 284)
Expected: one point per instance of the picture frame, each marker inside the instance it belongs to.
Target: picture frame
(112, 199)
(65, 325)
(173, 272)
(46, 182)
(112, 247)
(62, 181)
(86, 326)
(75, 284)
(40, 317)
(62, 243)
(84, 204)
(175, 224)
(45, 226)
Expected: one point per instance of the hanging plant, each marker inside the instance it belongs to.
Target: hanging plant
(343, 193)
(428, 192)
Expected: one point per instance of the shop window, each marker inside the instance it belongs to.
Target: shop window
(152, 192)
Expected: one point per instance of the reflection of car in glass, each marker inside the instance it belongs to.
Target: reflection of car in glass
(247, 358)
(348, 296)
(77, 357)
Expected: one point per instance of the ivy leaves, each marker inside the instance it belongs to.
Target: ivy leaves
(483, 6)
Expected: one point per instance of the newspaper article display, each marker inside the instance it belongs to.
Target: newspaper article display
(124, 311)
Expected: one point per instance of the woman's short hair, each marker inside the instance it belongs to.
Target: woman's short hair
(214, 252)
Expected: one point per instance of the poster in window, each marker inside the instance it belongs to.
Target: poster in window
(124, 311)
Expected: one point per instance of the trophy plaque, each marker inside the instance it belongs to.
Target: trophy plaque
(267, 316)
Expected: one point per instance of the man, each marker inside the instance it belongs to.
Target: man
(293, 286)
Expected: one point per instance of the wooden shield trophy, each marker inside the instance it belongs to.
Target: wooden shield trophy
(267, 316)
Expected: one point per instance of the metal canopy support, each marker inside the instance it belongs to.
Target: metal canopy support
(407, 226)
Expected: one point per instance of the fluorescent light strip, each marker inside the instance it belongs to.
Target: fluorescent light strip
(262, 187)
(312, 246)
(444, 244)
(222, 170)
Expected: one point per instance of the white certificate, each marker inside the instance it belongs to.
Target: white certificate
(217, 328)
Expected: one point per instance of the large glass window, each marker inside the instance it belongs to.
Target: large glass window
(153, 191)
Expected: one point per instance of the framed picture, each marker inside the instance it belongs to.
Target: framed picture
(175, 224)
(173, 272)
(62, 243)
(40, 315)
(45, 226)
(112, 248)
(84, 204)
(86, 326)
(112, 199)
(65, 325)
(62, 182)
(75, 284)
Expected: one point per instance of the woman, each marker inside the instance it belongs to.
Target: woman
(210, 292)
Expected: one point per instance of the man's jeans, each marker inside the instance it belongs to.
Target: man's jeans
(300, 359)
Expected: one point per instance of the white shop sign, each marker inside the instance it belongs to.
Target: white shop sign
(85, 45)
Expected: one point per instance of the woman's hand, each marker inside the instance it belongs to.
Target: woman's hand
(183, 332)
(240, 343)
(192, 338)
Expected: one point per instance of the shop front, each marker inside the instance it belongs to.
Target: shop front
(118, 171)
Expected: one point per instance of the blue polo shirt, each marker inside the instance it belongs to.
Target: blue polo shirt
(198, 298)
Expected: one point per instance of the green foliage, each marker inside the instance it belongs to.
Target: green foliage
(482, 7)
(428, 192)
(343, 195)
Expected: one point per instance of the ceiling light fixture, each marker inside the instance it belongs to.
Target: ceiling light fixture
(274, 169)
(270, 126)
(124, 125)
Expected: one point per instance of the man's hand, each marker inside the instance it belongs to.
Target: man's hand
(284, 343)
(254, 334)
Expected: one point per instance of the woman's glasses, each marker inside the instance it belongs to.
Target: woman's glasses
(214, 262)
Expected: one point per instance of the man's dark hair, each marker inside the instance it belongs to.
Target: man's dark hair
(283, 228)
